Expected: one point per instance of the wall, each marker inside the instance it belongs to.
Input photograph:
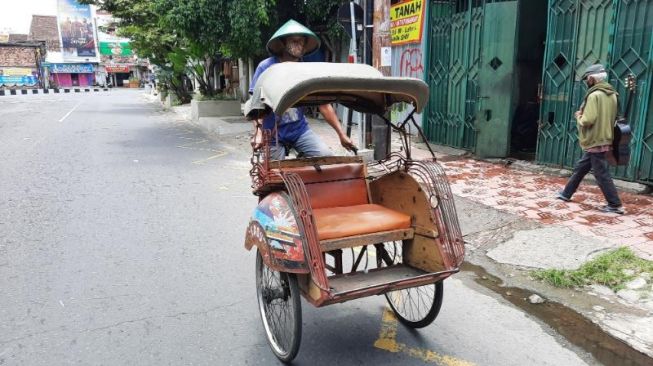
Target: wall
(17, 56)
(410, 61)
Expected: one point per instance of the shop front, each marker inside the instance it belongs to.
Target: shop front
(119, 75)
(71, 75)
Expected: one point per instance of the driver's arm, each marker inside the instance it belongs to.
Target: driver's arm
(257, 137)
(332, 119)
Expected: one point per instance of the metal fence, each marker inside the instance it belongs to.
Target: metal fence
(617, 33)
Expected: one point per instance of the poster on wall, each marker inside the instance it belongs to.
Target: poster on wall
(18, 76)
(76, 30)
(110, 43)
(406, 22)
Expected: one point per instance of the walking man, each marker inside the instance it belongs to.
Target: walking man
(289, 44)
(595, 122)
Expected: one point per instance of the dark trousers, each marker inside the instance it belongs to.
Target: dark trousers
(599, 165)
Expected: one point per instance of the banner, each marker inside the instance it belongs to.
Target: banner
(115, 48)
(18, 76)
(76, 30)
(71, 68)
(110, 43)
(19, 80)
(406, 22)
(117, 69)
(17, 71)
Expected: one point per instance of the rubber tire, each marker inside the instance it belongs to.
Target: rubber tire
(295, 297)
(430, 316)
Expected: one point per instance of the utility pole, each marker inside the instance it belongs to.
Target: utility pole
(380, 43)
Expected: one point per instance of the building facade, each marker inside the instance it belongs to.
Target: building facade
(504, 75)
(20, 64)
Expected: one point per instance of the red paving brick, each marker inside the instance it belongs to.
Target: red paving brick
(535, 200)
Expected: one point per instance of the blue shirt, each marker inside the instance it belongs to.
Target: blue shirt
(292, 124)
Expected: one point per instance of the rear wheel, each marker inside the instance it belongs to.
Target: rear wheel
(280, 307)
(417, 307)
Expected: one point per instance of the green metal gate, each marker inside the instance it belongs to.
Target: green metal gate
(617, 33)
(454, 54)
(455, 60)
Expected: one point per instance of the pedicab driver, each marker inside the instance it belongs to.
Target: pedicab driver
(289, 44)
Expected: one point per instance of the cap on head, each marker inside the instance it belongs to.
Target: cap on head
(593, 69)
(275, 45)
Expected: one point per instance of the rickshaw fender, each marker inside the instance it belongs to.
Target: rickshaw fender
(274, 230)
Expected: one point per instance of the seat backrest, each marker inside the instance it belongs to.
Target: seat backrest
(337, 185)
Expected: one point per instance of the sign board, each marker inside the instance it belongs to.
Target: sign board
(16, 71)
(117, 69)
(76, 30)
(407, 22)
(110, 43)
(18, 76)
(115, 48)
(71, 68)
(386, 56)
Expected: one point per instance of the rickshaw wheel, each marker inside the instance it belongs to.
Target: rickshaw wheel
(280, 306)
(417, 307)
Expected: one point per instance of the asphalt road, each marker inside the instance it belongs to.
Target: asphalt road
(121, 243)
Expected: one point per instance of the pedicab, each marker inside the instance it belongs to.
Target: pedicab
(333, 229)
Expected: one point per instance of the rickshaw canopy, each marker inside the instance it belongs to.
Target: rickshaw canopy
(359, 87)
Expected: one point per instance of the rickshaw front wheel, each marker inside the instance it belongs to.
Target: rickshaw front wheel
(417, 307)
(280, 307)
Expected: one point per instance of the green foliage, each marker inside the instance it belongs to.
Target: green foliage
(188, 37)
(219, 96)
(247, 19)
(606, 269)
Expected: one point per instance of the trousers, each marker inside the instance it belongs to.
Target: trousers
(599, 165)
(308, 145)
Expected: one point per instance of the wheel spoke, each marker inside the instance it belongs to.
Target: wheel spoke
(280, 310)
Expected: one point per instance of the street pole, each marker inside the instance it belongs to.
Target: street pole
(381, 39)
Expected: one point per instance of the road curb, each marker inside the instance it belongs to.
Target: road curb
(8, 92)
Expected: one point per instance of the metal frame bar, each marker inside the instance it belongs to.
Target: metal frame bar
(299, 195)
(432, 177)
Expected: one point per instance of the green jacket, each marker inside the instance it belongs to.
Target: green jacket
(598, 114)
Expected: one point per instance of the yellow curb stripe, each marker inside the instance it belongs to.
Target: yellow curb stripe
(388, 342)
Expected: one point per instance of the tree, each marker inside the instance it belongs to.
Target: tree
(190, 36)
(248, 20)
(139, 21)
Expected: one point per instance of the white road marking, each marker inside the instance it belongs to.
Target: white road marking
(71, 111)
(218, 155)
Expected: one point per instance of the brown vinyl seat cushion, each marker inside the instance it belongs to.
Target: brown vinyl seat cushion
(335, 185)
(341, 208)
(341, 222)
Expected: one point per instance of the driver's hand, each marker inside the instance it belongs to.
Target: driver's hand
(257, 139)
(347, 144)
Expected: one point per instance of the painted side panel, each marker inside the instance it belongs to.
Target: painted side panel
(275, 231)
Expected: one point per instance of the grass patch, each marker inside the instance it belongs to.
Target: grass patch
(606, 269)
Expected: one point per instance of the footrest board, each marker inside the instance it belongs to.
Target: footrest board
(367, 239)
(376, 277)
